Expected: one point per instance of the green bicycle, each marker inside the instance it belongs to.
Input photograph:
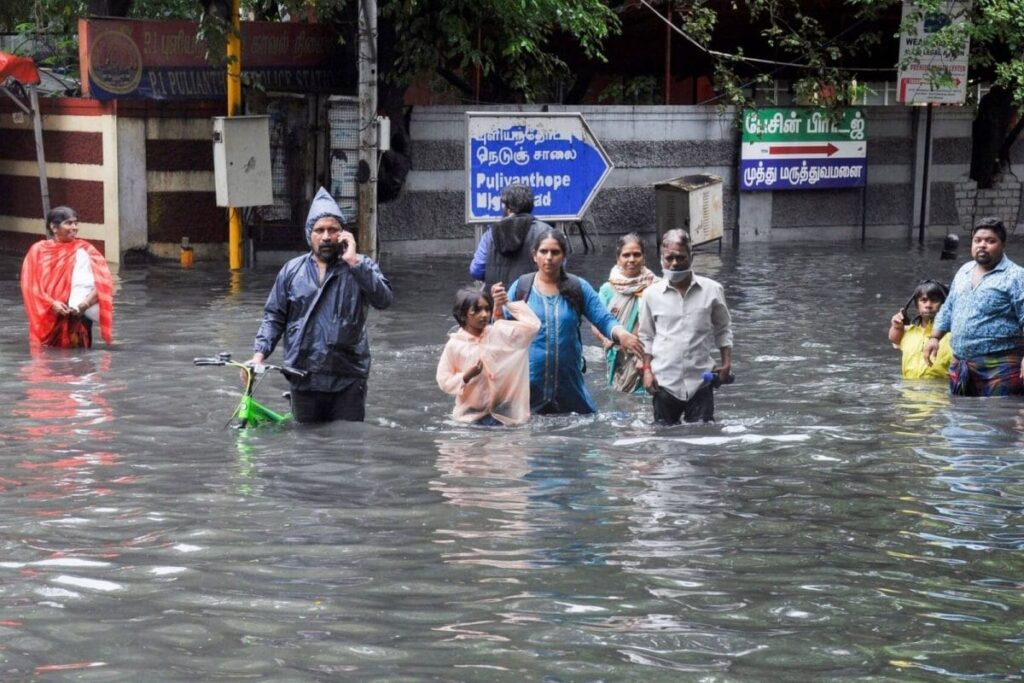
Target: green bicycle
(250, 412)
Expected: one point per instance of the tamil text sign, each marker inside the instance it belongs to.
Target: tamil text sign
(162, 60)
(556, 154)
(803, 149)
(931, 74)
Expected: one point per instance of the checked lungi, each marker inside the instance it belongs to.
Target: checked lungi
(995, 374)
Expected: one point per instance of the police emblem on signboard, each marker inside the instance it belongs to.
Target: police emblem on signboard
(115, 63)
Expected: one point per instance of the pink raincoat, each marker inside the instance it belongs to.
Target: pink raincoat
(502, 390)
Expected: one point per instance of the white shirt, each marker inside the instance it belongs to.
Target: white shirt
(82, 284)
(680, 332)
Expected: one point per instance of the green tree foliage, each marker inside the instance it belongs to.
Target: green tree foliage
(511, 44)
(795, 39)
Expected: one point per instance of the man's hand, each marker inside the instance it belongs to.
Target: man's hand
(650, 382)
(931, 348)
(256, 362)
(473, 372)
(60, 308)
(349, 255)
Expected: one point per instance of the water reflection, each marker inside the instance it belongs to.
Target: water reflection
(919, 401)
(64, 396)
(60, 419)
(522, 504)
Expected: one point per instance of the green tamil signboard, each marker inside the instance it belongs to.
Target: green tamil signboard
(802, 148)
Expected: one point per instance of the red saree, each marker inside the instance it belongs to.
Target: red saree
(46, 277)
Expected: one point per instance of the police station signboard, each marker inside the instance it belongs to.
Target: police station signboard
(556, 154)
(163, 60)
(803, 149)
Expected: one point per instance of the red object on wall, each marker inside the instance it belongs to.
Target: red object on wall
(21, 69)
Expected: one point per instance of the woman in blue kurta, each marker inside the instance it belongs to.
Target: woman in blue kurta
(561, 301)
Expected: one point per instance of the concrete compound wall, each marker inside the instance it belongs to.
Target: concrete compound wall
(79, 141)
(140, 175)
(650, 144)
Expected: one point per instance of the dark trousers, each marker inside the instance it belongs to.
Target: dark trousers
(326, 406)
(700, 408)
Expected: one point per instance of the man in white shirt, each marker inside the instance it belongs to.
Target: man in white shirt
(683, 318)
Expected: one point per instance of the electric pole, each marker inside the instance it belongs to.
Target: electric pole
(368, 143)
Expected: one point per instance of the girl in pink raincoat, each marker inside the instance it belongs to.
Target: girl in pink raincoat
(486, 365)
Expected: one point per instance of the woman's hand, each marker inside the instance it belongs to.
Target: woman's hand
(60, 308)
(468, 376)
(629, 342)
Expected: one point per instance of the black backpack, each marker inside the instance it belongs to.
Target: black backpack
(524, 285)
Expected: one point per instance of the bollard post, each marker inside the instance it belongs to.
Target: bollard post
(187, 254)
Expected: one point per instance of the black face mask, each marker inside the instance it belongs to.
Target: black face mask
(329, 251)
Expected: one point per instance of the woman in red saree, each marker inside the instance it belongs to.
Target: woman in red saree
(66, 286)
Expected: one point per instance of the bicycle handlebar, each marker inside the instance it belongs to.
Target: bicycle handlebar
(225, 359)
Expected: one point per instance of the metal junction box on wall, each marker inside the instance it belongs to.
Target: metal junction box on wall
(241, 161)
(693, 203)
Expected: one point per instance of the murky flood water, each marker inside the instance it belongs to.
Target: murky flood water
(836, 523)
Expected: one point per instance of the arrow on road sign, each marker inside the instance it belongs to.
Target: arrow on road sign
(827, 149)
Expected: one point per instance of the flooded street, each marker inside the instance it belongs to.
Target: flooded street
(837, 522)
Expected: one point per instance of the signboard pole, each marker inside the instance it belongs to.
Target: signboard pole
(864, 206)
(234, 89)
(927, 165)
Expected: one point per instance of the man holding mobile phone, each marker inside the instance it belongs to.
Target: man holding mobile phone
(319, 305)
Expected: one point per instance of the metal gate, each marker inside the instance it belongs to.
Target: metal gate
(343, 121)
(280, 226)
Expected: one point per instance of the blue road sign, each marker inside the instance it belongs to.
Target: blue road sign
(556, 154)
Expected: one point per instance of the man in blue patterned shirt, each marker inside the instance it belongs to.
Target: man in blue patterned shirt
(985, 313)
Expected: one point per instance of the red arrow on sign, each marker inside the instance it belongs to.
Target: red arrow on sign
(827, 149)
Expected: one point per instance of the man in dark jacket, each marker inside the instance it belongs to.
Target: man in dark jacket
(318, 304)
(506, 250)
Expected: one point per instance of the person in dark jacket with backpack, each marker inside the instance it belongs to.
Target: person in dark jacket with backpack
(318, 305)
(561, 301)
(504, 252)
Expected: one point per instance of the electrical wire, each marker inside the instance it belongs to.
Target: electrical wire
(755, 60)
